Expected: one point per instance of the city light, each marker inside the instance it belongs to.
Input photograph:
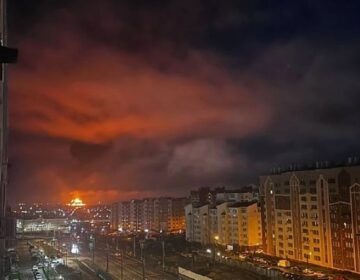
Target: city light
(74, 249)
(208, 251)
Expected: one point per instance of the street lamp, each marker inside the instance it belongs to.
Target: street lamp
(216, 238)
(308, 257)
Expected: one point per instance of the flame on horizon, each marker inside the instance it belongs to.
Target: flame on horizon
(76, 202)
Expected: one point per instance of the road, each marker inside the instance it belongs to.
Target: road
(26, 263)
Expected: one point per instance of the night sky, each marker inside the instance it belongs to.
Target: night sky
(115, 100)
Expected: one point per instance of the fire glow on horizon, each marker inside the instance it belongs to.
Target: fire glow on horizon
(76, 202)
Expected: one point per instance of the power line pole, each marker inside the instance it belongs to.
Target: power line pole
(3, 143)
(107, 255)
(122, 265)
(142, 245)
(163, 253)
(7, 55)
(134, 246)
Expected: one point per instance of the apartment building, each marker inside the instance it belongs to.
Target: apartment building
(136, 215)
(221, 194)
(162, 210)
(236, 195)
(177, 221)
(313, 215)
(148, 214)
(197, 223)
(152, 214)
(228, 223)
(123, 222)
(114, 217)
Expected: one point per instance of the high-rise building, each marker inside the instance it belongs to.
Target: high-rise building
(313, 215)
(162, 214)
(177, 220)
(228, 223)
(124, 216)
(114, 216)
(169, 214)
(236, 195)
(136, 215)
(148, 214)
(221, 194)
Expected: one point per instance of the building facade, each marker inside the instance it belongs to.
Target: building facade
(114, 217)
(312, 215)
(152, 214)
(227, 223)
(221, 194)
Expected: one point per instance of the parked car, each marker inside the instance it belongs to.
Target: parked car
(283, 263)
(242, 257)
(308, 271)
(40, 265)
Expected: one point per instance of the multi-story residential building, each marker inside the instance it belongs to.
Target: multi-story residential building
(355, 210)
(236, 195)
(153, 214)
(197, 223)
(136, 215)
(221, 194)
(162, 213)
(148, 214)
(177, 221)
(124, 216)
(313, 215)
(205, 195)
(114, 216)
(228, 223)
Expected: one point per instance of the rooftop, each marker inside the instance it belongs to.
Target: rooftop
(242, 204)
(351, 161)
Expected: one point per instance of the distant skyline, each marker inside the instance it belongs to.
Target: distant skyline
(114, 100)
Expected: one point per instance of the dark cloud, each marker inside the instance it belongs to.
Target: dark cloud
(121, 99)
(87, 153)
